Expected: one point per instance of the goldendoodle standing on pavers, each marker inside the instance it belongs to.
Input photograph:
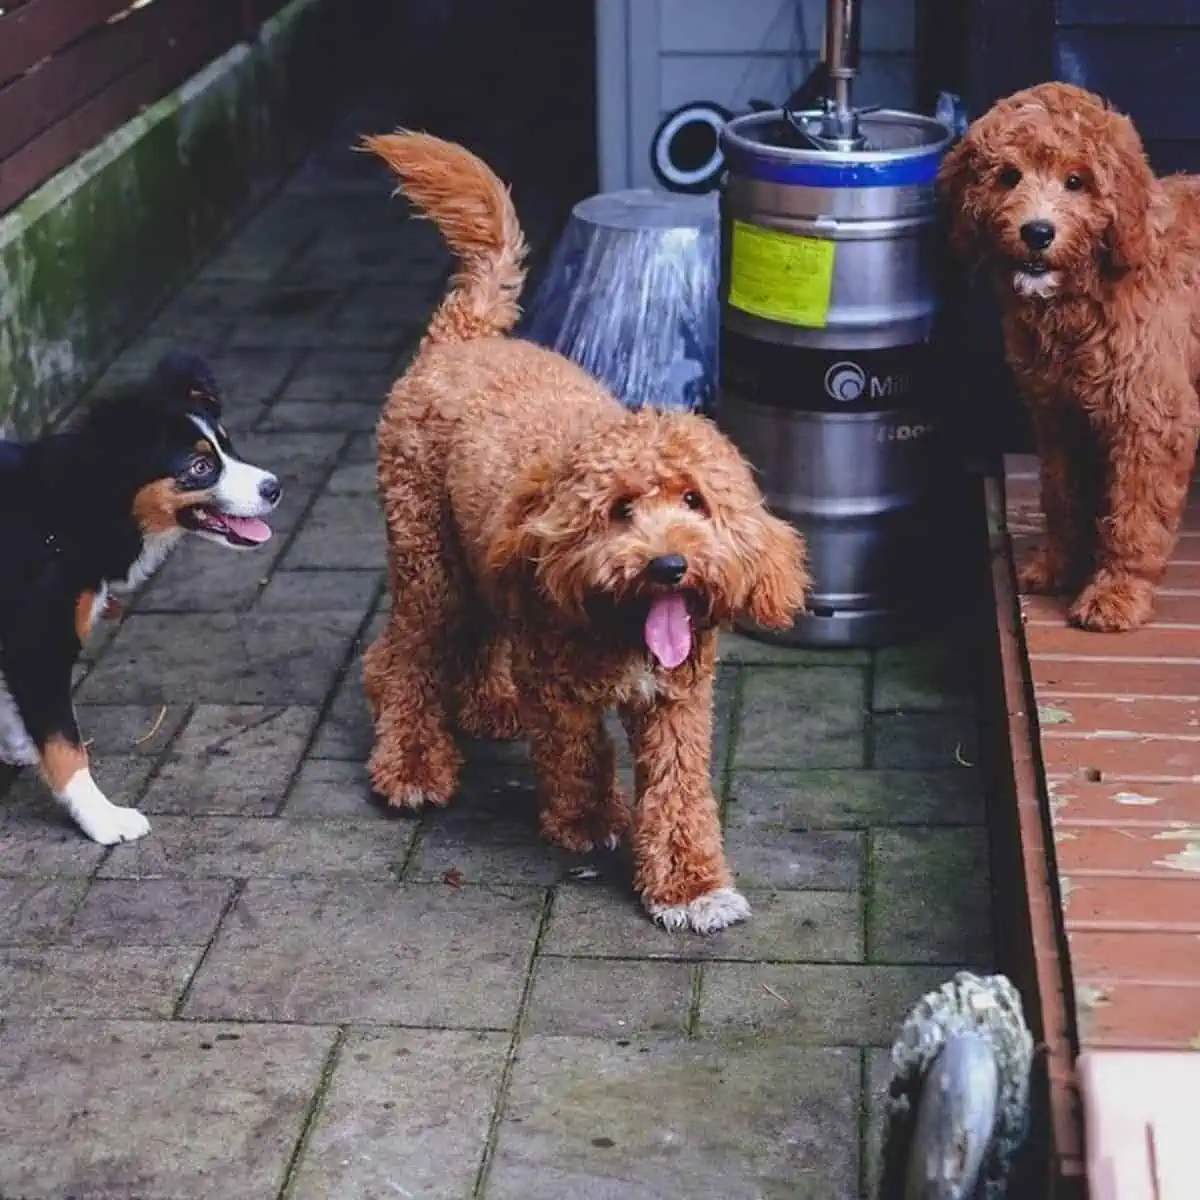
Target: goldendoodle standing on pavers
(551, 555)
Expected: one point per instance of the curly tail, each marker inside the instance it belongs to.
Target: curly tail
(474, 212)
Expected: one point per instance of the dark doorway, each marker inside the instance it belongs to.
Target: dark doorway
(515, 81)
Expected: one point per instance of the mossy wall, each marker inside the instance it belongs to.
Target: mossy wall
(89, 256)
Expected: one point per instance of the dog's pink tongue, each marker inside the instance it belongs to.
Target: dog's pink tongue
(669, 630)
(250, 528)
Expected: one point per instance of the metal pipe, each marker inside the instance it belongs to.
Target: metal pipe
(841, 49)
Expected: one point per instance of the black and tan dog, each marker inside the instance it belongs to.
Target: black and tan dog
(86, 515)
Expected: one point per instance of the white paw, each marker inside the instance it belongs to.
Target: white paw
(112, 825)
(706, 914)
(98, 817)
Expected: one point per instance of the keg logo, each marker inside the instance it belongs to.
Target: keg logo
(845, 381)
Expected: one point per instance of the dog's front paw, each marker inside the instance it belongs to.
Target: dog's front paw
(113, 824)
(709, 913)
(405, 785)
(415, 798)
(1043, 573)
(593, 831)
(96, 815)
(1113, 604)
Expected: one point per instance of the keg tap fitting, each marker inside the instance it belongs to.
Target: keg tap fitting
(838, 128)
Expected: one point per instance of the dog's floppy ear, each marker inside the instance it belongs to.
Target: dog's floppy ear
(516, 544)
(774, 568)
(184, 375)
(1125, 186)
(957, 182)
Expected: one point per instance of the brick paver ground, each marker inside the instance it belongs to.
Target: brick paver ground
(284, 990)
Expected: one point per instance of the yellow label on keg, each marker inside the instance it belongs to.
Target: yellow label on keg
(780, 276)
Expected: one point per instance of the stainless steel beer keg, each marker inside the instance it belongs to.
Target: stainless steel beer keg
(828, 299)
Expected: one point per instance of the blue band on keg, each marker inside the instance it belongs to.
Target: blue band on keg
(903, 172)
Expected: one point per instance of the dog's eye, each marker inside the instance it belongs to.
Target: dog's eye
(1010, 177)
(202, 466)
(622, 510)
(694, 501)
(1073, 182)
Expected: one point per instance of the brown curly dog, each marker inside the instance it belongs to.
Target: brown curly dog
(1097, 266)
(551, 555)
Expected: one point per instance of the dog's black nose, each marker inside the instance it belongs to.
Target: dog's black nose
(1037, 235)
(667, 568)
(270, 490)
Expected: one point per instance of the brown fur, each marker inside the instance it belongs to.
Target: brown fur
(85, 608)
(1108, 361)
(516, 570)
(157, 505)
(62, 760)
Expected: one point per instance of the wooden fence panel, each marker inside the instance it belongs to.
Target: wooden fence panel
(72, 71)
(39, 28)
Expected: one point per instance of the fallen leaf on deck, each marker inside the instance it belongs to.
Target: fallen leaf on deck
(1049, 714)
